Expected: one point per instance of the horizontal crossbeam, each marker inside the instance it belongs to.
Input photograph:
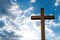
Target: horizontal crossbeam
(39, 17)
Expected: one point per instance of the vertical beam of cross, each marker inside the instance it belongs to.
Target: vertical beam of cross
(42, 25)
(42, 17)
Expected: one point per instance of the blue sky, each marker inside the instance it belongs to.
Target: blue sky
(15, 19)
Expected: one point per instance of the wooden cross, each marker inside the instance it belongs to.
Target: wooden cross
(42, 17)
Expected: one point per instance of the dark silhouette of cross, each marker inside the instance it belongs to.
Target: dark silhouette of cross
(42, 17)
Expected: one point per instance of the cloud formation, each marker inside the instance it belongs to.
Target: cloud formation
(57, 3)
(33, 1)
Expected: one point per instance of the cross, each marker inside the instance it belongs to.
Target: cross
(42, 17)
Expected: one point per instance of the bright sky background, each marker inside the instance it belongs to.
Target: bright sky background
(16, 23)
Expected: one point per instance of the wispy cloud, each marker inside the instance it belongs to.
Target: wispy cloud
(28, 10)
(59, 17)
(33, 1)
(20, 25)
(57, 3)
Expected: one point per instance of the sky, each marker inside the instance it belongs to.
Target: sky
(16, 23)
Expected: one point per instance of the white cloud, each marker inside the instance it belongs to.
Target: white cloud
(58, 38)
(33, 1)
(21, 25)
(28, 10)
(52, 23)
(49, 32)
(59, 17)
(57, 3)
